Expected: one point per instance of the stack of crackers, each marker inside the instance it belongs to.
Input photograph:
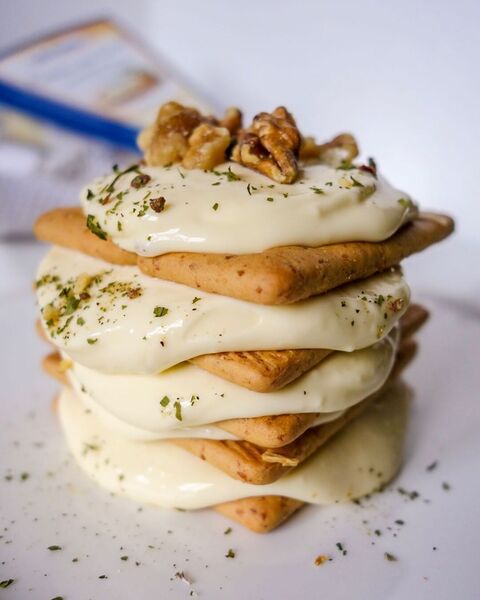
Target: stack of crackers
(261, 450)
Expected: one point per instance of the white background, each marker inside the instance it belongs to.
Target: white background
(403, 76)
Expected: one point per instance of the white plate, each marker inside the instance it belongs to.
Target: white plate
(57, 505)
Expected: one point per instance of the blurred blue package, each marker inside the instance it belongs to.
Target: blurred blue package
(71, 105)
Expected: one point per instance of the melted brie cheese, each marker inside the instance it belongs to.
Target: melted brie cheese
(130, 323)
(358, 460)
(236, 210)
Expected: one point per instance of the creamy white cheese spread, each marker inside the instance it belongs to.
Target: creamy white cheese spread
(357, 461)
(186, 396)
(233, 209)
(115, 319)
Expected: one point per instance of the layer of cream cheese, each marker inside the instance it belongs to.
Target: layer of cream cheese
(236, 210)
(209, 431)
(115, 319)
(358, 460)
(186, 396)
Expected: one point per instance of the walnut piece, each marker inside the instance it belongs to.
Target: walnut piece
(166, 141)
(270, 145)
(182, 135)
(341, 149)
(232, 120)
(207, 146)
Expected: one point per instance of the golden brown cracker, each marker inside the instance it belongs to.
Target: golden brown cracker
(52, 365)
(277, 276)
(260, 514)
(271, 431)
(263, 370)
(258, 465)
(67, 227)
(292, 273)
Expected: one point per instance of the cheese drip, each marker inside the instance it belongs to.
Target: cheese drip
(236, 210)
(114, 319)
(357, 461)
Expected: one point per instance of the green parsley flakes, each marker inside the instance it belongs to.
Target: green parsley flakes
(215, 206)
(230, 554)
(6, 583)
(92, 341)
(54, 548)
(405, 202)
(95, 228)
(317, 190)
(111, 187)
(160, 311)
(178, 410)
(165, 401)
(231, 176)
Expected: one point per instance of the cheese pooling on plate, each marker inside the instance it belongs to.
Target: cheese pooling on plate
(362, 457)
(187, 396)
(233, 209)
(115, 319)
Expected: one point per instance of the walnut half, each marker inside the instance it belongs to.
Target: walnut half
(270, 145)
(182, 134)
(166, 141)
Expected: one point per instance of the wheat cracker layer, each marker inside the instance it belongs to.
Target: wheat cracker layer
(277, 276)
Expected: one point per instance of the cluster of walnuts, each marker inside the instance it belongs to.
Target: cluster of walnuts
(271, 145)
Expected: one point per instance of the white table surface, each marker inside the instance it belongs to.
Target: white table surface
(57, 505)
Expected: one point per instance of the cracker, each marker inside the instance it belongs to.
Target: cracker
(66, 227)
(276, 276)
(51, 364)
(263, 370)
(292, 273)
(257, 465)
(260, 514)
